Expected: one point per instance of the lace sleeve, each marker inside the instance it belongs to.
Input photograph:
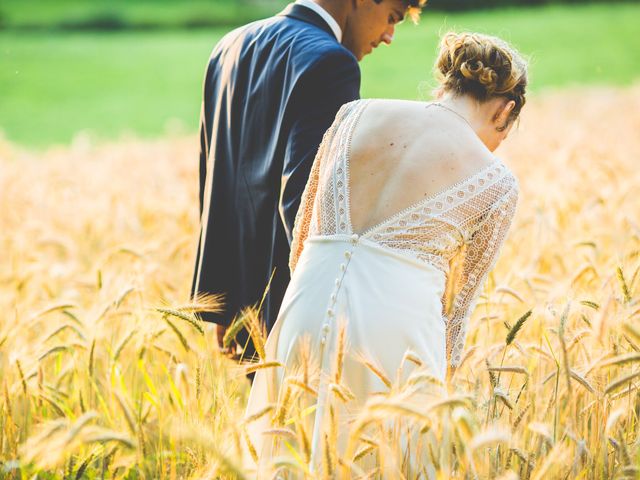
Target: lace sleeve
(303, 215)
(478, 258)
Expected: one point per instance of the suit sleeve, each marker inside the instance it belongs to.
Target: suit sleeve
(203, 156)
(329, 83)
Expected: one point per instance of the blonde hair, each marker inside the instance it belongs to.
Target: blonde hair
(481, 66)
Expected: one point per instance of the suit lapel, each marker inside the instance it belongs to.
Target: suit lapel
(300, 12)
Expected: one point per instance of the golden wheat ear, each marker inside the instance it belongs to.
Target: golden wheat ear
(343, 345)
(370, 363)
(305, 357)
(204, 302)
(257, 330)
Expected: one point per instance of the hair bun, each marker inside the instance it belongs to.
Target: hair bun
(476, 71)
(482, 66)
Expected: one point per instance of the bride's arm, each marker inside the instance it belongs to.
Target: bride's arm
(303, 216)
(479, 256)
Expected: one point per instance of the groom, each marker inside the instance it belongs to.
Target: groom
(271, 89)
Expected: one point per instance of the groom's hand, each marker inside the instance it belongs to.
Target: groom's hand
(229, 351)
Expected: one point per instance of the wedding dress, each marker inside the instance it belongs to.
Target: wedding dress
(389, 283)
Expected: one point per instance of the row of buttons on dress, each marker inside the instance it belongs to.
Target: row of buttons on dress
(324, 359)
(326, 327)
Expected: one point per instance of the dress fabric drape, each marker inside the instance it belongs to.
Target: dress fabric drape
(386, 286)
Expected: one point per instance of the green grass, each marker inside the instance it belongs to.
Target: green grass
(591, 44)
(56, 84)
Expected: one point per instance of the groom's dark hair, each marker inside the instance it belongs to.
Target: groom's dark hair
(414, 7)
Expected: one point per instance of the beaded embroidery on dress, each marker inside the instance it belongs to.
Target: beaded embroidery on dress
(390, 283)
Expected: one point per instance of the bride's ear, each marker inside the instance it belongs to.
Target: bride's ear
(501, 116)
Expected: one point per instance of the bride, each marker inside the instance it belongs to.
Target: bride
(401, 220)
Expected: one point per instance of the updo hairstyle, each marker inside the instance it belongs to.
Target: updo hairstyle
(481, 66)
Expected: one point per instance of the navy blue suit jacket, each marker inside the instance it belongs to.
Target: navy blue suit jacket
(271, 90)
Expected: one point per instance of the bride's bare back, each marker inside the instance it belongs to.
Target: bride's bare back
(404, 151)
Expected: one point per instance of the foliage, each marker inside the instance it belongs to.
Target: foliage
(105, 15)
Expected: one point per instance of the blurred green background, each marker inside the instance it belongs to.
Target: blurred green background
(113, 67)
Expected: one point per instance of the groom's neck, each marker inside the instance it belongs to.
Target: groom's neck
(338, 9)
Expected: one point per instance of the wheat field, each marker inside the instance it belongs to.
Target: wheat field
(107, 372)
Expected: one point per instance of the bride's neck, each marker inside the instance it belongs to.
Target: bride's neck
(468, 107)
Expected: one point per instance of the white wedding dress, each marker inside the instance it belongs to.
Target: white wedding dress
(389, 283)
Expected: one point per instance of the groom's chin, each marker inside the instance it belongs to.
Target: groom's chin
(361, 54)
(357, 52)
(369, 49)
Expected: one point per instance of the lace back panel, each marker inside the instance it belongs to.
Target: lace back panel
(465, 223)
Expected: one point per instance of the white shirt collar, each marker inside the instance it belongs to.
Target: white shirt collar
(326, 16)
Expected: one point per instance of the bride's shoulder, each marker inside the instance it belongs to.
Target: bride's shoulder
(388, 114)
(392, 106)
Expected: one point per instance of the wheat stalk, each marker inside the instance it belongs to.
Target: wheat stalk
(617, 383)
(262, 365)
